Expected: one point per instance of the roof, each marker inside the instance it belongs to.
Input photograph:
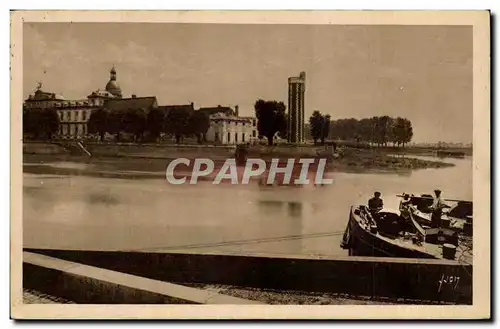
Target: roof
(224, 117)
(167, 108)
(217, 109)
(44, 96)
(144, 103)
(101, 93)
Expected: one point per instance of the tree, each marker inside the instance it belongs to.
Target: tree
(325, 128)
(134, 122)
(408, 132)
(40, 123)
(271, 118)
(198, 125)
(283, 132)
(402, 131)
(345, 129)
(98, 122)
(176, 123)
(365, 130)
(30, 122)
(155, 123)
(316, 124)
(115, 123)
(399, 130)
(49, 122)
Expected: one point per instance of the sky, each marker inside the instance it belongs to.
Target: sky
(423, 73)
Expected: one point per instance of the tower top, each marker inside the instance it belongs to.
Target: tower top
(112, 86)
(112, 73)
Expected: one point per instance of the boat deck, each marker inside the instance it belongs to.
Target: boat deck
(463, 250)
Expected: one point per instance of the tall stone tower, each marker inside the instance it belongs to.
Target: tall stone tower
(296, 116)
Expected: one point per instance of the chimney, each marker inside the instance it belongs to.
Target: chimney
(134, 96)
(236, 110)
(218, 105)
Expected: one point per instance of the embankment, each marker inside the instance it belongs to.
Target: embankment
(348, 159)
(43, 148)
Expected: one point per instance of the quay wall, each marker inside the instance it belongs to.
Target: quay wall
(43, 148)
(168, 151)
(85, 284)
(395, 278)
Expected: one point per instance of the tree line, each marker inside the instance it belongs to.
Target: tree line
(44, 123)
(271, 115)
(177, 122)
(378, 130)
(40, 123)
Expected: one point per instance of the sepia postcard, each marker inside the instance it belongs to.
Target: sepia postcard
(250, 165)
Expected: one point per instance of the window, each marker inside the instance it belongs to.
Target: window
(254, 133)
(229, 137)
(254, 123)
(217, 137)
(84, 115)
(243, 137)
(236, 137)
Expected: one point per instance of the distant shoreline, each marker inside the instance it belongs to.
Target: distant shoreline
(154, 158)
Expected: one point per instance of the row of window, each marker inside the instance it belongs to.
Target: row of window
(235, 140)
(235, 122)
(82, 115)
(51, 104)
(71, 130)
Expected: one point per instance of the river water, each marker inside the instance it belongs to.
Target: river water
(63, 210)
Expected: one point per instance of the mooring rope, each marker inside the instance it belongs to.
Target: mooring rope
(247, 241)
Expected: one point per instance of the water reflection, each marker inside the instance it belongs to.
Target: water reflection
(267, 206)
(295, 209)
(82, 212)
(102, 198)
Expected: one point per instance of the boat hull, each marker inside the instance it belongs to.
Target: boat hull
(361, 242)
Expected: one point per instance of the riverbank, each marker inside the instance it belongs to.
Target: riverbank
(362, 159)
(154, 157)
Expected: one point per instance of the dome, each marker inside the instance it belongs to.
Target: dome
(113, 88)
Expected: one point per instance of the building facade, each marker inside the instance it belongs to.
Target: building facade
(73, 114)
(296, 113)
(253, 131)
(73, 118)
(231, 130)
(226, 127)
